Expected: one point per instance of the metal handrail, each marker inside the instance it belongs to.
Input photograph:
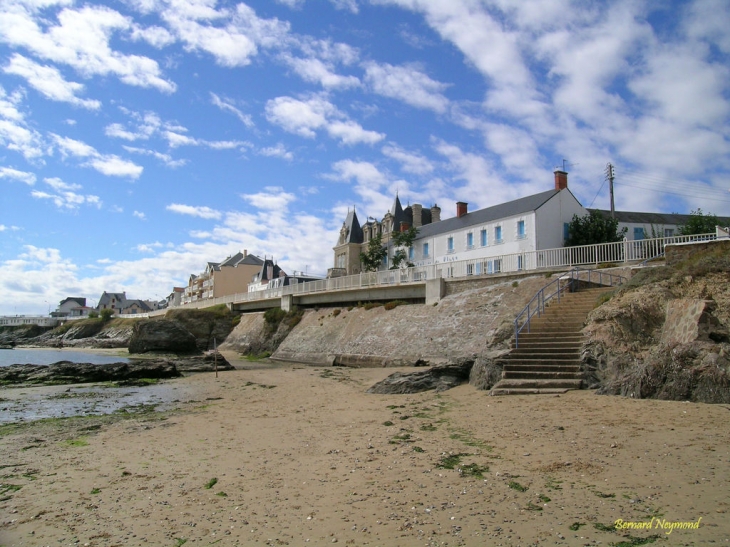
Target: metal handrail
(569, 281)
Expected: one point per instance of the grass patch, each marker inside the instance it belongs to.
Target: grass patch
(5, 488)
(543, 498)
(388, 423)
(428, 427)
(95, 491)
(257, 356)
(553, 484)
(604, 527)
(473, 470)
(631, 541)
(211, 483)
(466, 438)
(514, 485)
(221, 494)
(576, 526)
(417, 449)
(532, 507)
(81, 441)
(394, 304)
(180, 541)
(602, 495)
(453, 461)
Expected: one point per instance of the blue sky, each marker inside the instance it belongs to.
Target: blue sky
(143, 138)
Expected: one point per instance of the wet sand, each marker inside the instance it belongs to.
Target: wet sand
(295, 455)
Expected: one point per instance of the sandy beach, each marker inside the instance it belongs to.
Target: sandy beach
(295, 455)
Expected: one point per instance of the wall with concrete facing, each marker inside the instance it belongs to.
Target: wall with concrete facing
(675, 253)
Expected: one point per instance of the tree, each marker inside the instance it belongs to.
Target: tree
(373, 258)
(401, 242)
(699, 223)
(593, 228)
(106, 314)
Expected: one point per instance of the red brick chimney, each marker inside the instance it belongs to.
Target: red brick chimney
(461, 208)
(561, 180)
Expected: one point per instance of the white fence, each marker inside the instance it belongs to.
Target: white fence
(564, 257)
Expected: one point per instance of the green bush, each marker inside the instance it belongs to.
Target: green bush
(394, 304)
(336, 312)
(93, 314)
(106, 314)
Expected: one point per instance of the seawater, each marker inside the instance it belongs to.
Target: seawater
(22, 356)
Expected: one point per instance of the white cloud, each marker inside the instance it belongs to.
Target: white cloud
(318, 71)
(107, 164)
(49, 82)
(64, 195)
(14, 174)
(14, 131)
(167, 159)
(4, 228)
(273, 198)
(227, 106)
(278, 151)
(234, 42)
(407, 84)
(410, 162)
(155, 36)
(304, 117)
(139, 215)
(81, 39)
(194, 211)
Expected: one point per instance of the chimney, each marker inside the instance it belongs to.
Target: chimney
(417, 209)
(404, 225)
(435, 213)
(245, 253)
(461, 208)
(561, 180)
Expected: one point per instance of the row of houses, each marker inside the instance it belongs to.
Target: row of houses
(75, 306)
(533, 223)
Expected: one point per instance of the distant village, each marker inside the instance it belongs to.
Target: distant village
(513, 236)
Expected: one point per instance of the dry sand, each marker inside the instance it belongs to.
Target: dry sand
(303, 456)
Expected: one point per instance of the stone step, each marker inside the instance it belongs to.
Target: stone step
(540, 375)
(544, 349)
(547, 368)
(539, 384)
(539, 362)
(527, 391)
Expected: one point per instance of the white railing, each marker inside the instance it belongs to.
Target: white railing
(564, 257)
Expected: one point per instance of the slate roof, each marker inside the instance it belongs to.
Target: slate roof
(354, 231)
(81, 301)
(490, 214)
(630, 217)
(239, 259)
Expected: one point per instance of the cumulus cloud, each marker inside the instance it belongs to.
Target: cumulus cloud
(107, 164)
(194, 211)
(407, 84)
(417, 164)
(48, 81)
(65, 196)
(273, 198)
(14, 174)
(278, 151)
(305, 116)
(80, 38)
(15, 133)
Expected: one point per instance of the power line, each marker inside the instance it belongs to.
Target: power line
(665, 191)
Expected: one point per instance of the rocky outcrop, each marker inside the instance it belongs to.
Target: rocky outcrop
(161, 336)
(210, 327)
(438, 378)
(665, 335)
(208, 362)
(487, 369)
(66, 372)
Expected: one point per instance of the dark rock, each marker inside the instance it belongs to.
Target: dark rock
(161, 335)
(210, 327)
(66, 372)
(487, 370)
(208, 362)
(439, 378)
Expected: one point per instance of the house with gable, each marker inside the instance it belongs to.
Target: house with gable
(652, 225)
(73, 306)
(231, 276)
(114, 301)
(530, 223)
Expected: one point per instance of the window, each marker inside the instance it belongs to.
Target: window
(470, 269)
(498, 234)
(566, 230)
(483, 238)
(498, 265)
(410, 254)
(668, 232)
(519, 263)
(450, 245)
(638, 234)
(521, 230)
(470, 240)
(425, 250)
(478, 268)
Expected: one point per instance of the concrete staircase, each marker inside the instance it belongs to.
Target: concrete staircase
(548, 357)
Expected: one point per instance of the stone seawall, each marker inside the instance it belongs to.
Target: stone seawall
(460, 325)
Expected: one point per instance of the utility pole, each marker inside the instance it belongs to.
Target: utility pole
(610, 176)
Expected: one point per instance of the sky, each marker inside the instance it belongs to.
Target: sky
(142, 139)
